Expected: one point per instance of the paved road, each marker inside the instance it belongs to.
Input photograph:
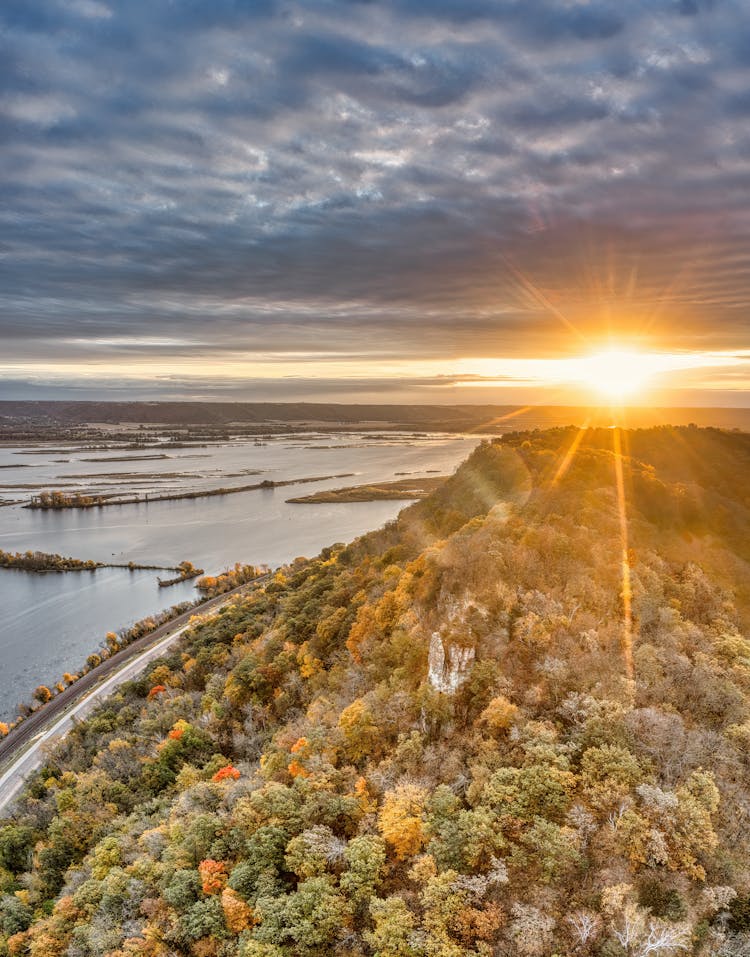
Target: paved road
(21, 752)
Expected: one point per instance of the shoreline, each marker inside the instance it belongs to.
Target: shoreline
(22, 749)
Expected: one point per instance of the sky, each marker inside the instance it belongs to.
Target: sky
(375, 200)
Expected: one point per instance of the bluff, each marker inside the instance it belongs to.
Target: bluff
(515, 721)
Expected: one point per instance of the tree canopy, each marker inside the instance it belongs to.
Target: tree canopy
(515, 721)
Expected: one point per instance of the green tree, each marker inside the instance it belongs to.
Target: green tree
(15, 916)
(16, 843)
(393, 929)
(365, 861)
(204, 919)
(306, 922)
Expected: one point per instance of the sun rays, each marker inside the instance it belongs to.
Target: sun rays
(622, 514)
(570, 454)
(555, 474)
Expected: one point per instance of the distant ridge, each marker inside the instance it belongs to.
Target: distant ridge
(479, 418)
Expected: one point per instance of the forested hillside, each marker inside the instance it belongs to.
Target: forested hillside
(516, 721)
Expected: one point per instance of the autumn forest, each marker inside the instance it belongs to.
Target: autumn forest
(514, 721)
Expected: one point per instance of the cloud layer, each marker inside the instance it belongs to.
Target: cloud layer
(371, 179)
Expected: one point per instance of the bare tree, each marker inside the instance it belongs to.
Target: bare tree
(664, 938)
(586, 925)
(657, 938)
(631, 929)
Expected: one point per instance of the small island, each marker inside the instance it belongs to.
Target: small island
(187, 571)
(402, 489)
(57, 500)
(46, 562)
(60, 500)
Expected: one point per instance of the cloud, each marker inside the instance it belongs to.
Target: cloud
(465, 177)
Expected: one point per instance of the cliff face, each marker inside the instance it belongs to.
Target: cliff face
(447, 671)
(515, 721)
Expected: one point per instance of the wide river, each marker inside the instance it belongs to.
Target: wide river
(51, 622)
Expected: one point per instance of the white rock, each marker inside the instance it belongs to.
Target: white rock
(446, 673)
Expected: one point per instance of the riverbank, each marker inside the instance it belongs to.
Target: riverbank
(52, 620)
(24, 748)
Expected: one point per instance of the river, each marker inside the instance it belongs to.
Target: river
(51, 622)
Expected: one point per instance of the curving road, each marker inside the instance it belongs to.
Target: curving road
(22, 752)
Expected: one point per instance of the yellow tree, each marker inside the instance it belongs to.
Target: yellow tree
(361, 733)
(401, 819)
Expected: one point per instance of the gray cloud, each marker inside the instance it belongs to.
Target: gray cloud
(376, 179)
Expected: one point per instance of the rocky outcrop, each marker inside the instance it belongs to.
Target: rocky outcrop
(449, 660)
(446, 670)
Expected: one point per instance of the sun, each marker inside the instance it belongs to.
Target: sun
(616, 374)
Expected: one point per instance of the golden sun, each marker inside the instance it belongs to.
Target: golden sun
(616, 374)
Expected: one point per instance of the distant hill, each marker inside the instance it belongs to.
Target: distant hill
(481, 418)
(514, 721)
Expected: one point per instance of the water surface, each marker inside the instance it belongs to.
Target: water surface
(51, 622)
